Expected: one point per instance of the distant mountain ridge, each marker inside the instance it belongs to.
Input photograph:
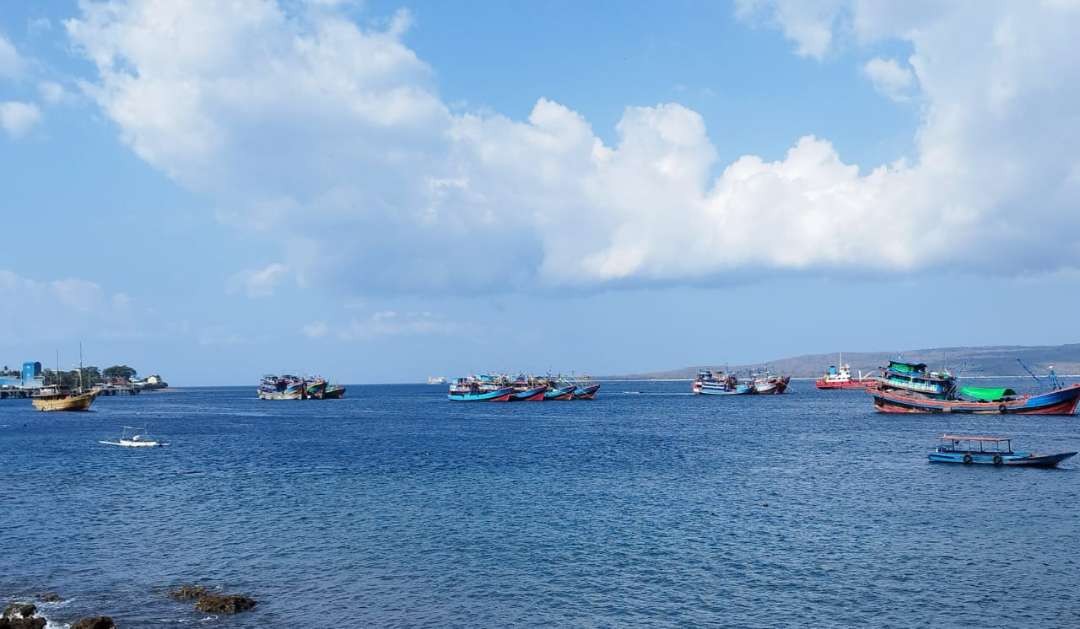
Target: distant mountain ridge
(997, 360)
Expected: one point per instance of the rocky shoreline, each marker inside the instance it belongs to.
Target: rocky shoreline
(24, 614)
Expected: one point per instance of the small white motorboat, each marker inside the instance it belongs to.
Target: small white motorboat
(130, 439)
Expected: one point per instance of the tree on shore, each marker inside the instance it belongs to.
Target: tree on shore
(122, 372)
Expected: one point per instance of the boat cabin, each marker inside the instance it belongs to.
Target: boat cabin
(975, 444)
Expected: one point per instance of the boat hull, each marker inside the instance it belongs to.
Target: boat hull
(771, 387)
(333, 392)
(560, 394)
(989, 458)
(80, 402)
(1060, 402)
(535, 394)
(586, 393)
(741, 389)
(498, 395)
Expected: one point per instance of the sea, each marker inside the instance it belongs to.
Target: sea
(647, 507)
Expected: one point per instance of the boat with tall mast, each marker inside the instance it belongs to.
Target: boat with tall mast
(60, 398)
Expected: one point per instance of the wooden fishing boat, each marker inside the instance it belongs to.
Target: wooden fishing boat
(710, 383)
(766, 383)
(978, 400)
(586, 392)
(59, 400)
(529, 394)
(560, 392)
(984, 450)
(480, 389)
(333, 392)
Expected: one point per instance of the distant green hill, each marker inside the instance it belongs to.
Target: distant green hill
(963, 361)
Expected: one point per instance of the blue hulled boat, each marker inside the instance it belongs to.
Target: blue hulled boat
(480, 389)
(982, 450)
(709, 383)
(559, 391)
(586, 391)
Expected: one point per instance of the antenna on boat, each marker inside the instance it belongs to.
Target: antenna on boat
(1030, 372)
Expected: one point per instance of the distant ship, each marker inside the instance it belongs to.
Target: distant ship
(436, 380)
(840, 378)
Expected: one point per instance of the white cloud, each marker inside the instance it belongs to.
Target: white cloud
(315, 330)
(808, 24)
(17, 118)
(890, 78)
(393, 323)
(10, 62)
(307, 125)
(34, 310)
(52, 92)
(257, 283)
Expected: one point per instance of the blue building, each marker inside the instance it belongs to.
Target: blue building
(31, 378)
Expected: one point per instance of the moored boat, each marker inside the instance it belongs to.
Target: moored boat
(979, 401)
(586, 391)
(314, 388)
(480, 389)
(560, 392)
(57, 399)
(130, 439)
(333, 392)
(839, 377)
(766, 383)
(914, 378)
(986, 450)
(709, 383)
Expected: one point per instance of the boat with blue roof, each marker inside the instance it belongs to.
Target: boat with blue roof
(990, 450)
(482, 388)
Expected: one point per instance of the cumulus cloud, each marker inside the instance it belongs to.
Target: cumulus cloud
(890, 78)
(304, 123)
(315, 330)
(18, 118)
(35, 310)
(10, 62)
(256, 283)
(52, 92)
(393, 323)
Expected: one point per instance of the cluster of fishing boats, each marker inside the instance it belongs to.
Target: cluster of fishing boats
(288, 387)
(709, 382)
(522, 388)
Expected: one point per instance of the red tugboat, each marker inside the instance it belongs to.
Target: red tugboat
(840, 378)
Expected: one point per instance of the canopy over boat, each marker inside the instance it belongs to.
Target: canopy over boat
(987, 394)
(901, 367)
(984, 438)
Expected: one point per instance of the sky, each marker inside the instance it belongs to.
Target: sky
(380, 191)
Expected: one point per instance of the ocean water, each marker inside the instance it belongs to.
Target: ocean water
(394, 507)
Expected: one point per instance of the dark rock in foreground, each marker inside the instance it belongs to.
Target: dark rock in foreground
(224, 603)
(188, 592)
(97, 622)
(21, 616)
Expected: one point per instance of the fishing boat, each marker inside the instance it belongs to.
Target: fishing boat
(59, 399)
(131, 439)
(979, 401)
(913, 378)
(985, 450)
(586, 391)
(479, 389)
(560, 390)
(284, 387)
(528, 389)
(766, 383)
(333, 392)
(839, 377)
(1059, 399)
(709, 383)
(315, 387)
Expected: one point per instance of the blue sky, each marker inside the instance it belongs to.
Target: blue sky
(381, 191)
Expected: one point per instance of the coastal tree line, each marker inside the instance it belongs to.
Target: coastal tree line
(90, 376)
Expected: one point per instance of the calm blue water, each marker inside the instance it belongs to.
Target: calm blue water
(394, 507)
